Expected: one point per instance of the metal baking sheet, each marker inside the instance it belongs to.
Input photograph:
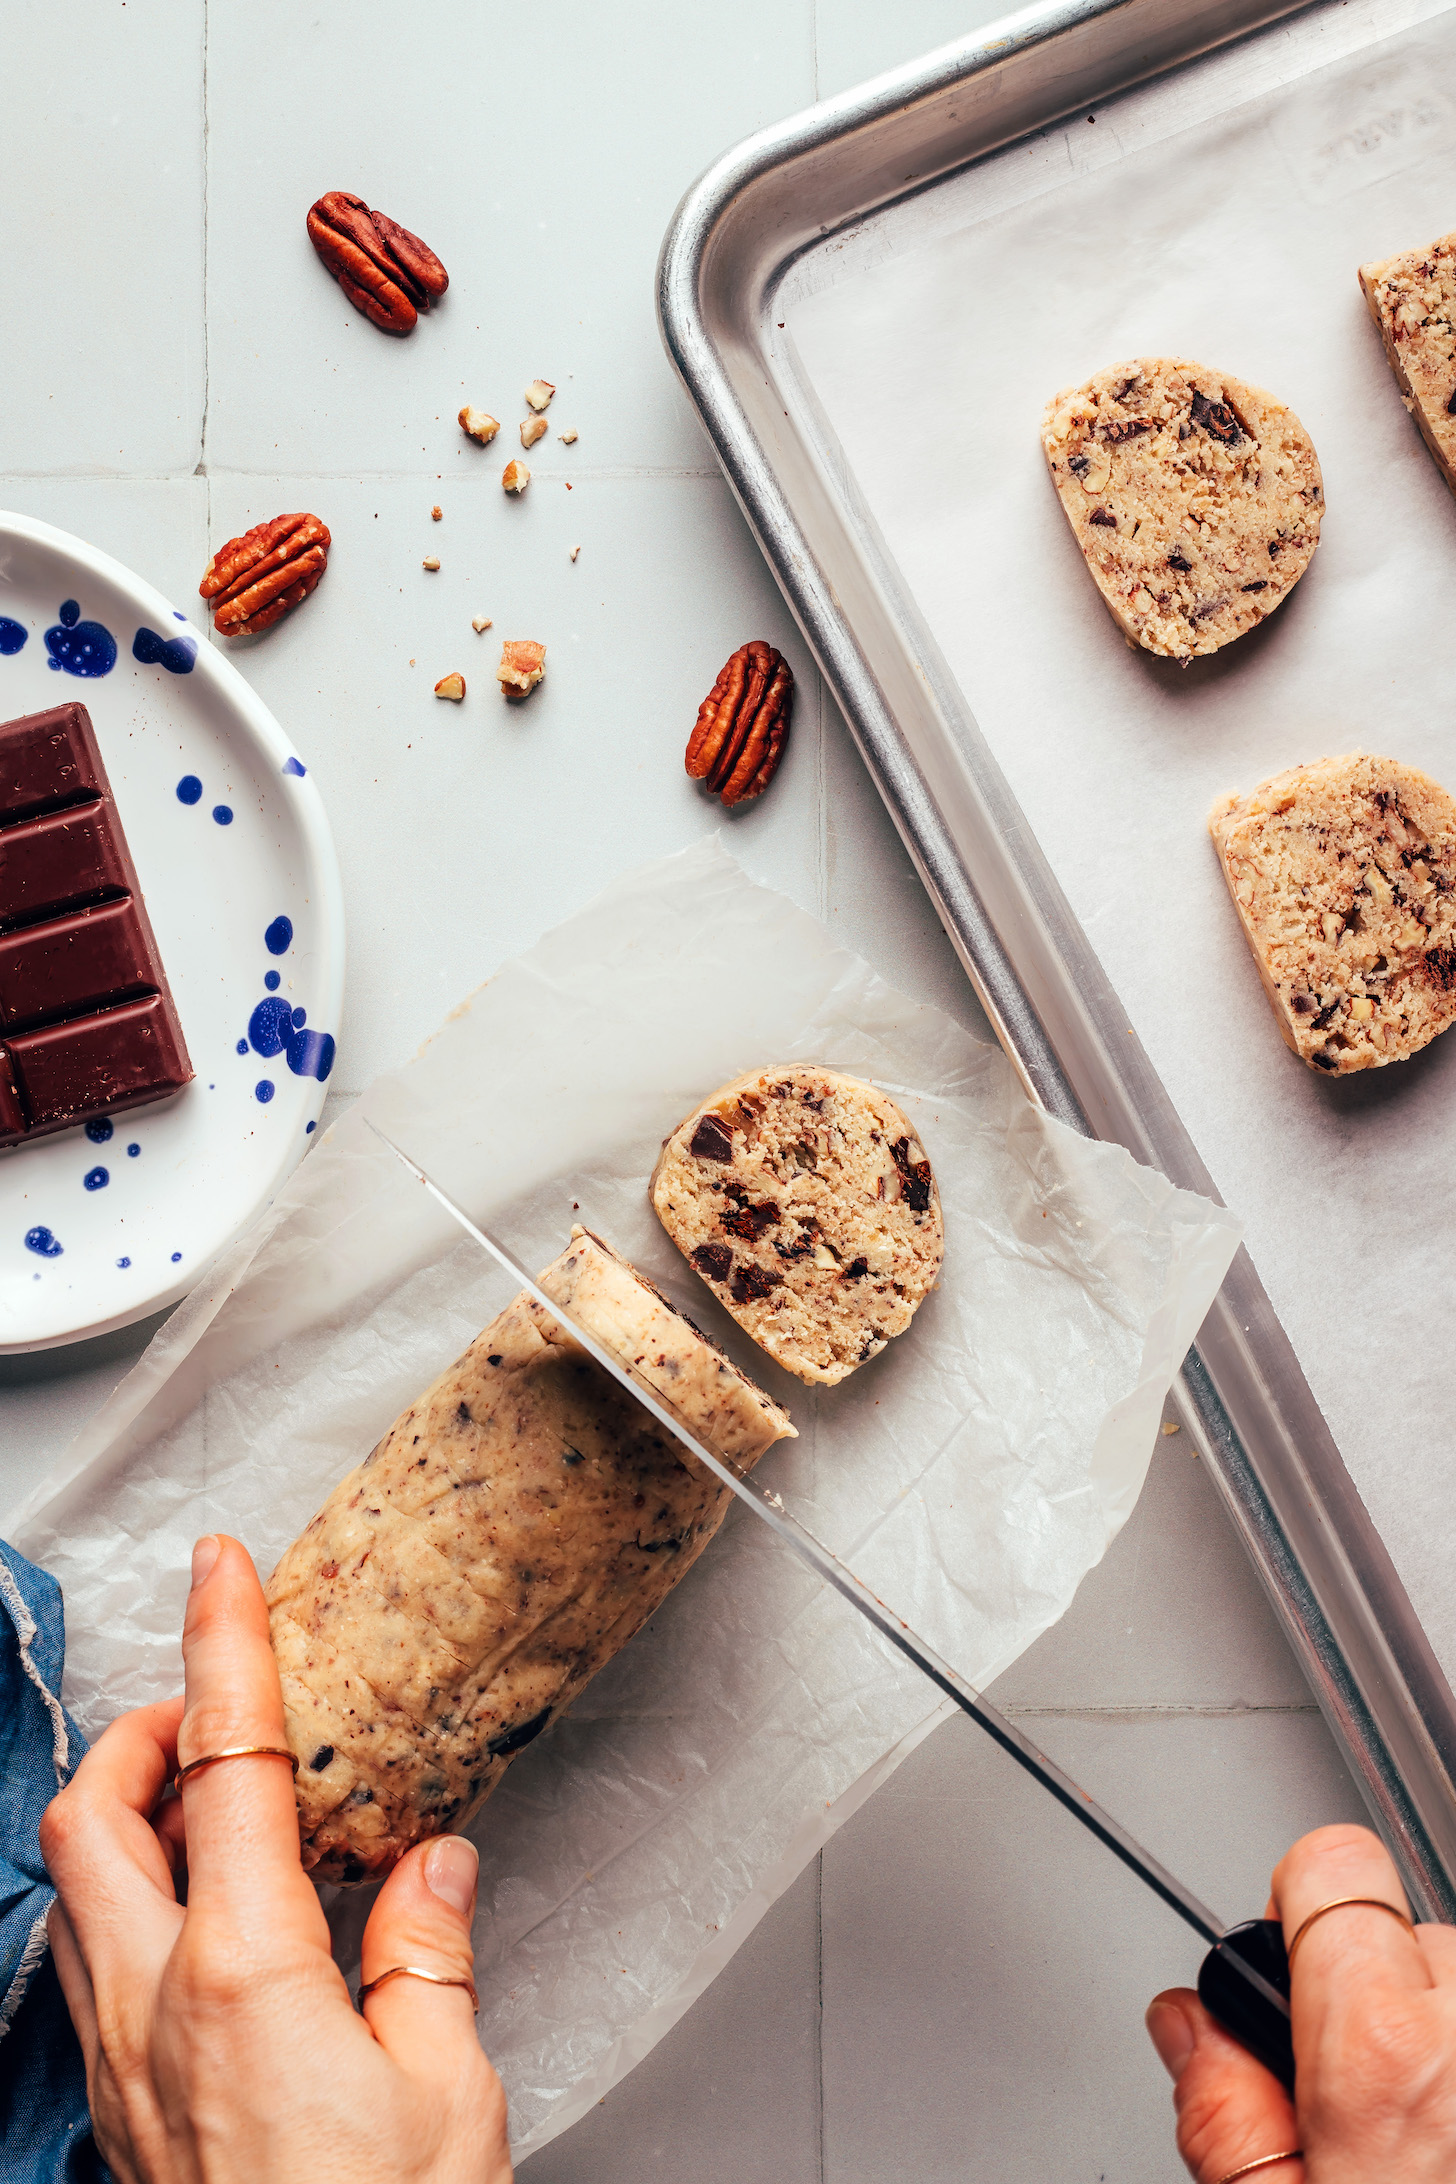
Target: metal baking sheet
(942, 156)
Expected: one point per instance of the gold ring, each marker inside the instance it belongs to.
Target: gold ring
(417, 1971)
(1342, 1903)
(1270, 2161)
(234, 1751)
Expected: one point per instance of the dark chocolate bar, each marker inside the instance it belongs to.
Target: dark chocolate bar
(87, 1023)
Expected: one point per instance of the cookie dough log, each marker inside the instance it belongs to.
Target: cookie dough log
(507, 1536)
(1412, 299)
(1344, 877)
(1196, 499)
(807, 1204)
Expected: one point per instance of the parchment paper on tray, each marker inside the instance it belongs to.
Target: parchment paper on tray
(1218, 212)
(975, 1471)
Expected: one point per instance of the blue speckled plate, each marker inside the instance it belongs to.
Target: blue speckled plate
(103, 1225)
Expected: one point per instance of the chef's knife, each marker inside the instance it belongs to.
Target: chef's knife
(1244, 1980)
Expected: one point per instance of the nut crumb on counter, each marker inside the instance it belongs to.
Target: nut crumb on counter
(574, 552)
(1170, 1427)
(522, 666)
(436, 512)
(515, 477)
(431, 561)
(478, 622)
(479, 424)
(568, 437)
(451, 686)
(539, 393)
(532, 430)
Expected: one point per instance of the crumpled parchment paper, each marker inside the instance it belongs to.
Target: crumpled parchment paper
(974, 1471)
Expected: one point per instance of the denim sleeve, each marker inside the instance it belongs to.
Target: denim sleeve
(45, 2124)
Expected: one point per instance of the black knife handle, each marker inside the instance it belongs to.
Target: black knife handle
(1240, 2008)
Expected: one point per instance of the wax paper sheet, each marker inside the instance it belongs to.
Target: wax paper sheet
(1220, 214)
(974, 1471)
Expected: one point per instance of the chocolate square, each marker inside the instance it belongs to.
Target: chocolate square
(87, 1023)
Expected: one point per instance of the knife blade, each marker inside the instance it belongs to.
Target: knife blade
(1254, 2005)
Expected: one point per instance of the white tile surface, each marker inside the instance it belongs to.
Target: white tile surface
(540, 158)
(102, 364)
(981, 1964)
(986, 1966)
(733, 2090)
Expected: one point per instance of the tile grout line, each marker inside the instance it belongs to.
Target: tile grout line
(1170, 1710)
(201, 470)
(607, 474)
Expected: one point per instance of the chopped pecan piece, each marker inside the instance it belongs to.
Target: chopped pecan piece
(387, 273)
(522, 665)
(451, 686)
(255, 579)
(539, 393)
(479, 423)
(743, 724)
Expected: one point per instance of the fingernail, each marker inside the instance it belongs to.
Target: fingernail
(1172, 2036)
(204, 1555)
(451, 1865)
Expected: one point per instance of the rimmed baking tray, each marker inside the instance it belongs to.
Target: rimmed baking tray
(740, 240)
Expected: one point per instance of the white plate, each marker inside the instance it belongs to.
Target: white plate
(241, 885)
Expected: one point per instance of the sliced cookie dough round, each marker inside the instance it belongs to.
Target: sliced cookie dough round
(1195, 498)
(1344, 877)
(1412, 299)
(806, 1202)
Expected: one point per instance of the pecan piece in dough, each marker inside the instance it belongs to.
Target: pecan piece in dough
(254, 580)
(743, 724)
(384, 270)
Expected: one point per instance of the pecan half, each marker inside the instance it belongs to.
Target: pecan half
(387, 273)
(254, 580)
(743, 724)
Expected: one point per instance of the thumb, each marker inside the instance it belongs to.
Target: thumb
(1231, 2110)
(421, 1918)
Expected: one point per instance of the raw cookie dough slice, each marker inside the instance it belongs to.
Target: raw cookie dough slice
(508, 1535)
(1412, 299)
(1344, 874)
(1195, 498)
(807, 1205)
